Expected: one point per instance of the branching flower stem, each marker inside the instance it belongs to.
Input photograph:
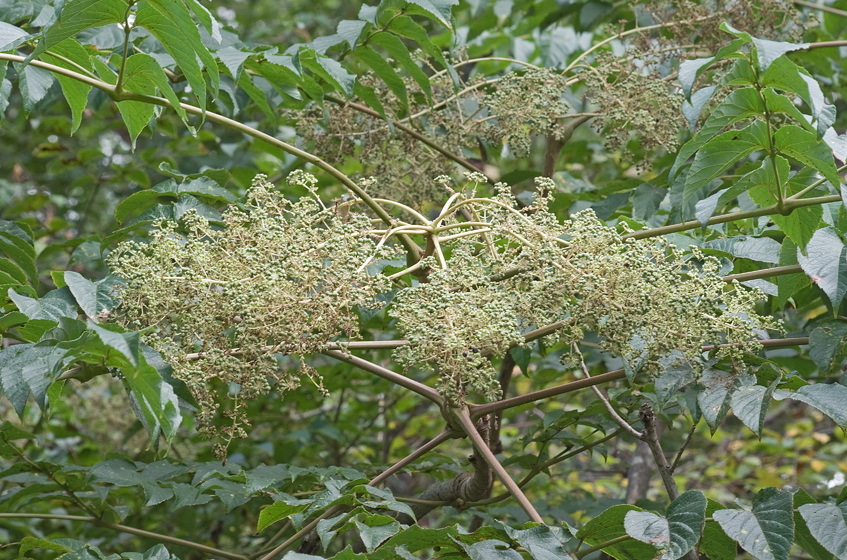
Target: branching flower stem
(394, 377)
(379, 479)
(467, 424)
(411, 247)
(604, 399)
(411, 132)
(158, 537)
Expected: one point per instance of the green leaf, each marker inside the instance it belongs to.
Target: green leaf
(828, 524)
(690, 70)
(277, 511)
(740, 105)
(127, 344)
(11, 36)
(827, 344)
(330, 70)
(53, 306)
(719, 154)
(715, 543)
(675, 536)
(170, 22)
(767, 531)
(16, 244)
(715, 399)
(384, 72)
(350, 29)
(826, 264)
(784, 75)
(438, 10)
(375, 529)
(369, 96)
(79, 15)
(766, 51)
(143, 74)
(400, 53)
(829, 398)
(808, 149)
(34, 84)
(610, 525)
(491, 549)
(406, 27)
(71, 53)
(542, 542)
(29, 369)
(233, 59)
(750, 403)
(93, 297)
(802, 533)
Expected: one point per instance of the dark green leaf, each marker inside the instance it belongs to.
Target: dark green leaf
(79, 15)
(802, 534)
(750, 403)
(828, 343)
(438, 10)
(675, 536)
(34, 84)
(72, 55)
(28, 369)
(715, 544)
(400, 53)
(53, 306)
(828, 524)
(277, 511)
(384, 72)
(767, 531)
(610, 525)
(375, 529)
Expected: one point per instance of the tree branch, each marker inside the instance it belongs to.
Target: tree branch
(387, 374)
(464, 418)
(651, 437)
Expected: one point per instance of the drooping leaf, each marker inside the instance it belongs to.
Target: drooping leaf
(802, 534)
(542, 542)
(750, 403)
(375, 529)
(79, 15)
(825, 263)
(715, 544)
(29, 369)
(828, 343)
(72, 56)
(11, 36)
(93, 297)
(170, 22)
(52, 307)
(675, 535)
(34, 84)
(438, 10)
(828, 398)
(828, 524)
(767, 531)
(400, 53)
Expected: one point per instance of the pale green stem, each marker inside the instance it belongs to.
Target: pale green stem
(787, 208)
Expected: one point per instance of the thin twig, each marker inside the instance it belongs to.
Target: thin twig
(604, 399)
(682, 448)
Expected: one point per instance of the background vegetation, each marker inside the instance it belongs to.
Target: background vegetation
(636, 341)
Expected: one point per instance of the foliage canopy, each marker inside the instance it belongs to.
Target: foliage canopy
(579, 263)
